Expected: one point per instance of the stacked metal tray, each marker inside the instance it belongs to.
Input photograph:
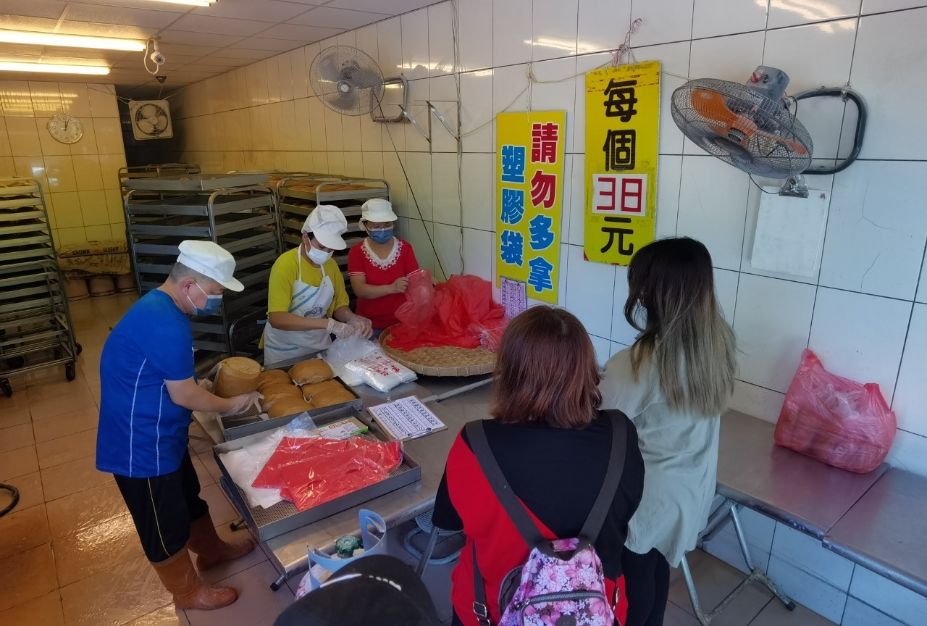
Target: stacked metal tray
(35, 323)
(235, 211)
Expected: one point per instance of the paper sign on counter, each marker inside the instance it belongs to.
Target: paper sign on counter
(406, 419)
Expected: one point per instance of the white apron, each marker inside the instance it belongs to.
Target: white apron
(306, 301)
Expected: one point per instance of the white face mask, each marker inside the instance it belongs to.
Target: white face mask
(317, 256)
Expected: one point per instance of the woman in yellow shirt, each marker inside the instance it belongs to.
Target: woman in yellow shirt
(307, 301)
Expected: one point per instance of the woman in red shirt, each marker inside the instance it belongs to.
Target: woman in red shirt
(379, 266)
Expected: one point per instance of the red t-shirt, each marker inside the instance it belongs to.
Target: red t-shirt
(362, 261)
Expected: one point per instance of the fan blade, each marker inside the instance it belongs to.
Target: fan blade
(343, 102)
(145, 126)
(328, 69)
(366, 77)
(795, 147)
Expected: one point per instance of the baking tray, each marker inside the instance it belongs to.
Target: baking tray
(284, 516)
(249, 423)
(195, 182)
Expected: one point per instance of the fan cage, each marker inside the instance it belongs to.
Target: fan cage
(353, 69)
(764, 139)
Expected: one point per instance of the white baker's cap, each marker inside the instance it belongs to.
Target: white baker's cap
(211, 260)
(377, 210)
(327, 223)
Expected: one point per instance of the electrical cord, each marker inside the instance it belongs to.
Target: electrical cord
(14, 494)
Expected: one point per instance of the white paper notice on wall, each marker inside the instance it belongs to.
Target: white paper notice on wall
(790, 233)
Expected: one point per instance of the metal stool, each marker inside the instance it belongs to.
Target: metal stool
(424, 526)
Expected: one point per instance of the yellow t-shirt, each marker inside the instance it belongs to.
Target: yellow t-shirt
(284, 272)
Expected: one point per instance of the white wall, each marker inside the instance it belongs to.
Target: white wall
(865, 313)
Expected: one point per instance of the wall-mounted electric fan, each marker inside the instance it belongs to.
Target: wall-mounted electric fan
(754, 126)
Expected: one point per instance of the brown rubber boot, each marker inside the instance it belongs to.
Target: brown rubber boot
(189, 591)
(210, 549)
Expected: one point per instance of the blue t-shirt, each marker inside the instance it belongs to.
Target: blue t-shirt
(142, 433)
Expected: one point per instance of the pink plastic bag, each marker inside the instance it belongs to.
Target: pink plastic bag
(835, 420)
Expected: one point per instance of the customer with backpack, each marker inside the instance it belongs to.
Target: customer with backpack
(674, 382)
(543, 492)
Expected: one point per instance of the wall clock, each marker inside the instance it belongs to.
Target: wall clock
(65, 128)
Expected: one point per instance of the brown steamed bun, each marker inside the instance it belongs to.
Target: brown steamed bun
(270, 377)
(330, 397)
(287, 406)
(279, 391)
(312, 389)
(237, 375)
(311, 371)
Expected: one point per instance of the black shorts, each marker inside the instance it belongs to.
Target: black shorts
(163, 507)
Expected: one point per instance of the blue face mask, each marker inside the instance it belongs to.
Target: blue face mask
(212, 304)
(381, 235)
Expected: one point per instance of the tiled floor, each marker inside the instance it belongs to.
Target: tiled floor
(69, 553)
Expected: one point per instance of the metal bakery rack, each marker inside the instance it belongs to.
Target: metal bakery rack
(35, 323)
(298, 195)
(236, 211)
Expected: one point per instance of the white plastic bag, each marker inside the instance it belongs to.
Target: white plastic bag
(381, 372)
(343, 351)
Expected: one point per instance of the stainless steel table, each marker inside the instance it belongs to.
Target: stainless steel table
(794, 489)
(884, 531)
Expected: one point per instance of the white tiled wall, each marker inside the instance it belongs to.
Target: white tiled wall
(858, 313)
(79, 180)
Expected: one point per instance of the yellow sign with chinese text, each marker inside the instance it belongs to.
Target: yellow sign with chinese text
(529, 199)
(622, 135)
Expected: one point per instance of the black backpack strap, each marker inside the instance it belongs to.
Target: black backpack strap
(516, 512)
(603, 501)
(487, 460)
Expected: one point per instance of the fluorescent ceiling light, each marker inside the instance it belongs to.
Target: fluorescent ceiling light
(194, 3)
(54, 68)
(70, 41)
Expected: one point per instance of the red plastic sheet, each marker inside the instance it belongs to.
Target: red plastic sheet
(835, 420)
(312, 471)
(460, 312)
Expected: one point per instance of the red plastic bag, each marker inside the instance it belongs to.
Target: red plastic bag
(835, 420)
(460, 312)
(312, 471)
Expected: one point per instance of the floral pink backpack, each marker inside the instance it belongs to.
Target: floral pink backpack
(562, 582)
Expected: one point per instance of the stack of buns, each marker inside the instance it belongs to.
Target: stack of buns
(307, 385)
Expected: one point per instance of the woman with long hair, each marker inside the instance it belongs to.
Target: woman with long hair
(553, 446)
(673, 383)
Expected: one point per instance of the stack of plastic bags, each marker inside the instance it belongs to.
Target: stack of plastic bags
(294, 463)
(460, 312)
(311, 471)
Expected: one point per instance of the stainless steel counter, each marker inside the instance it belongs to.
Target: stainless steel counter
(794, 489)
(289, 550)
(455, 401)
(426, 388)
(884, 531)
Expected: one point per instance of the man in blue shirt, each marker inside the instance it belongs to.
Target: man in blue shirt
(148, 393)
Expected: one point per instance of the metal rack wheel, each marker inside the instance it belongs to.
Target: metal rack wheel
(6, 388)
(70, 372)
(78, 348)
